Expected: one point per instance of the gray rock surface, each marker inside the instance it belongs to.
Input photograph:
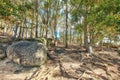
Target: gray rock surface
(2, 51)
(27, 53)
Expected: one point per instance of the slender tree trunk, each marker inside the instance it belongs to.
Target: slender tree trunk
(70, 35)
(47, 21)
(47, 25)
(26, 29)
(2, 27)
(19, 36)
(31, 30)
(64, 38)
(87, 41)
(55, 24)
(15, 30)
(26, 32)
(81, 39)
(87, 44)
(55, 32)
(33, 27)
(5, 30)
(66, 34)
(31, 34)
(36, 32)
(40, 30)
(23, 30)
(43, 31)
(85, 37)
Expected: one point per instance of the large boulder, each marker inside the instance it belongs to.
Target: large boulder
(27, 53)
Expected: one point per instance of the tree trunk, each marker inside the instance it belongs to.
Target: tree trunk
(15, 30)
(47, 25)
(55, 32)
(31, 29)
(86, 38)
(19, 36)
(55, 24)
(70, 35)
(42, 33)
(26, 29)
(5, 30)
(66, 34)
(36, 32)
(87, 43)
(22, 30)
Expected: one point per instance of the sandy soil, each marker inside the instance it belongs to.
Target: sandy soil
(68, 64)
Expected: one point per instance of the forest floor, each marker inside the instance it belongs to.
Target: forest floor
(71, 63)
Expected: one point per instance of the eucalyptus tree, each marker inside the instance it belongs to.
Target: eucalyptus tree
(66, 16)
(7, 12)
(24, 10)
(66, 11)
(80, 15)
(105, 21)
(55, 18)
(100, 18)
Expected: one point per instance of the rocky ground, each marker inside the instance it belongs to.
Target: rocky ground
(71, 63)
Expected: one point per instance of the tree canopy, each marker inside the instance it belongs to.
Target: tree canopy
(95, 19)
